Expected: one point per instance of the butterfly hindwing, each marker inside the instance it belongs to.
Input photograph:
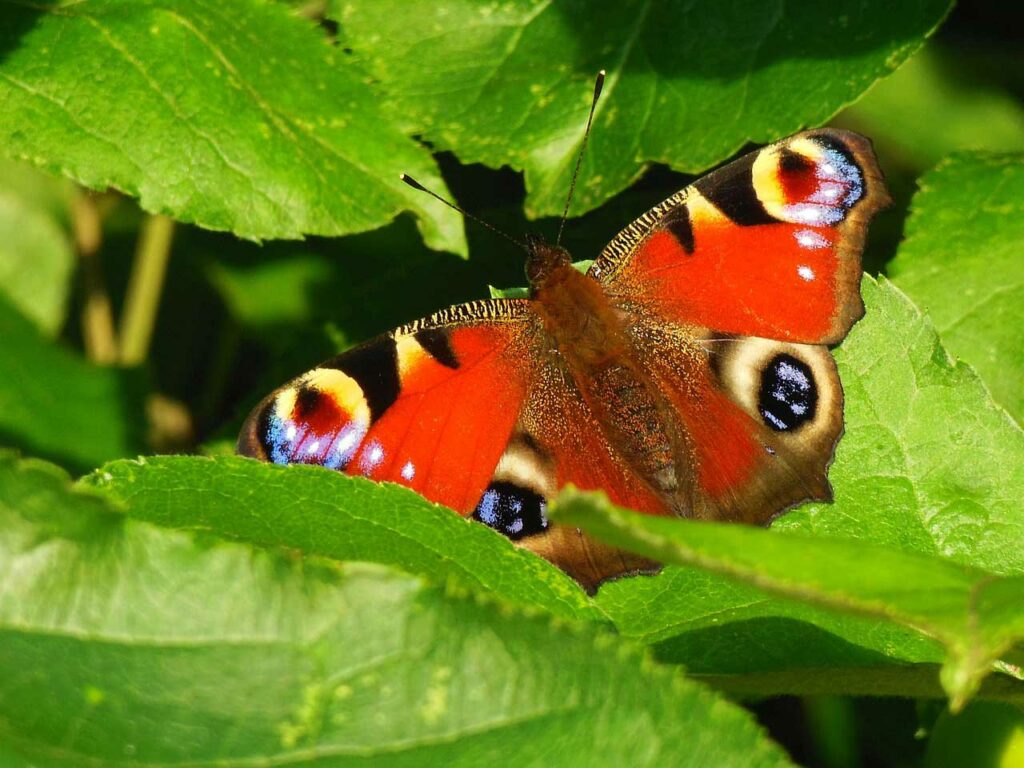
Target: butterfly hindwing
(767, 246)
(761, 419)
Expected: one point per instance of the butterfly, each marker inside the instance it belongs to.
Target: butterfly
(686, 373)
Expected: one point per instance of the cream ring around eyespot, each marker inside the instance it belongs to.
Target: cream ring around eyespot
(525, 467)
(742, 363)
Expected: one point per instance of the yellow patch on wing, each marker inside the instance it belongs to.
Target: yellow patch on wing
(410, 355)
(703, 212)
(284, 402)
(339, 386)
(809, 148)
(768, 182)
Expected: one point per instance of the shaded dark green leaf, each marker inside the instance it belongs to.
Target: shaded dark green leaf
(36, 257)
(55, 404)
(688, 83)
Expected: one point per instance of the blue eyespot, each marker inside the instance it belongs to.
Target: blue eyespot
(788, 396)
(512, 510)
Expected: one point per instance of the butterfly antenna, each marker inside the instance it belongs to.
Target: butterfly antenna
(598, 85)
(416, 185)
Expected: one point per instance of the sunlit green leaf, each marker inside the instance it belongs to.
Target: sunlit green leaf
(974, 614)
(902, 478)
(122, 642)
(963, 262)
(322, 512)
(238, 117)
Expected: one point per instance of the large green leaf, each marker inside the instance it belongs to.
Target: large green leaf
(36, 257)
(55, 404)
(238, 117)
(689, 83)
(323, 512)
(125, 643)
(928, 464)
(963, 262)
(974, 614)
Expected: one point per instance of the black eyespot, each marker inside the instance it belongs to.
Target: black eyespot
(512, 510)
(788, 395)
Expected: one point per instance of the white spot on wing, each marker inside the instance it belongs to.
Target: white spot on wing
(372, 457)
(808, 238)
(805, 272)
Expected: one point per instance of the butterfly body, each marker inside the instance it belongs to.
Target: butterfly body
(686, 373)
(588, 338)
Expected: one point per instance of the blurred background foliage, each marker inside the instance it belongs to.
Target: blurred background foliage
(233, 318)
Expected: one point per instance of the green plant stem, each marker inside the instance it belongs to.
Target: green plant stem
(97, 316)
(833, 728)
(144, 287)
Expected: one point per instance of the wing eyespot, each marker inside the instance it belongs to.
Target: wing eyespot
(787, 398)
(512, 509)
(320, 419)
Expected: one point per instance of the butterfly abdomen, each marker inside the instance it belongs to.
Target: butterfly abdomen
(633, 418)
(588, 336)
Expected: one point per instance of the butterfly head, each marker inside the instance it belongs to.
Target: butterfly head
(543, 259)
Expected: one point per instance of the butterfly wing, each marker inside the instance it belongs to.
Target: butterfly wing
(766, 246)
(430, 405)
(730, 291)
(761, 420)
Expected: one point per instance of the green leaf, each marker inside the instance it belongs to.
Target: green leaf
(928, 464)
(55, 404)
(963, 263)
(122, 642)
(523, 293)
(974, 614)
(985, 735)
(689, 83)
(36, 257)
(930, 107)
(323, 512)
(241, 118)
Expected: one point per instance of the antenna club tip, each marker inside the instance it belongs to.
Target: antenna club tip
(411, 181)
(601, 73)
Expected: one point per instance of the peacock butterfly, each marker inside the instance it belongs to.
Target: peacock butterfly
(686, 373)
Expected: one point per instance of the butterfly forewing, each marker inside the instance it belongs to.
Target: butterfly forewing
(767, 246)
